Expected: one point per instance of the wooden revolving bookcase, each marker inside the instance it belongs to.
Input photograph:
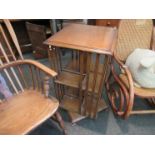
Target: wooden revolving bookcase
(80, 80)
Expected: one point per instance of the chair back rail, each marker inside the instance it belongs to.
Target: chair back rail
(11, 51)
(10, 79)
(13, 36)
(12, 69)
(7, 42)
(33, 81)
(15, 76)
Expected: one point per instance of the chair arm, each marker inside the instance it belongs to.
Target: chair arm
(128, 92)
(127, 73)
(40, 66)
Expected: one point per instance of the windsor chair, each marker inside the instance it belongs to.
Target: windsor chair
(24, 90)
(132, 34)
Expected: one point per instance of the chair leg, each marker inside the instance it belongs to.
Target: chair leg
(60, 121)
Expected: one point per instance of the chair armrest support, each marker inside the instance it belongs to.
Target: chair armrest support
(127, 73)
(38, 65)
(122, 92)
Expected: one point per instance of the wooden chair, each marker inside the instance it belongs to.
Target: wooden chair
(37, 35)
(132, 34)
(25, 101)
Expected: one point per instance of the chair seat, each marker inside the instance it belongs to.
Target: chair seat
(25, 111)
(142, 92)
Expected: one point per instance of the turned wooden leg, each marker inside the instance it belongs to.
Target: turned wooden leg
(46, 86)
(57, 114)
(60, 121)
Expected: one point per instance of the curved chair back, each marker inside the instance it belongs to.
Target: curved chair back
(132, 34)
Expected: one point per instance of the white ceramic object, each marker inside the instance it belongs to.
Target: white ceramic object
(141, 64)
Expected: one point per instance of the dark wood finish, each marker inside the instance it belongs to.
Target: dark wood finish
(108, 22)
(19, 26)
(21, 33)
(37, 35)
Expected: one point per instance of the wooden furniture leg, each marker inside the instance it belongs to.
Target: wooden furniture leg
(60, 121)
(57, 114)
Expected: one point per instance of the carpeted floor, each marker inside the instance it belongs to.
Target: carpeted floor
(106, 123)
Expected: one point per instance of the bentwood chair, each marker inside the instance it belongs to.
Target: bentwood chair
(132, 34)
(24, 90)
